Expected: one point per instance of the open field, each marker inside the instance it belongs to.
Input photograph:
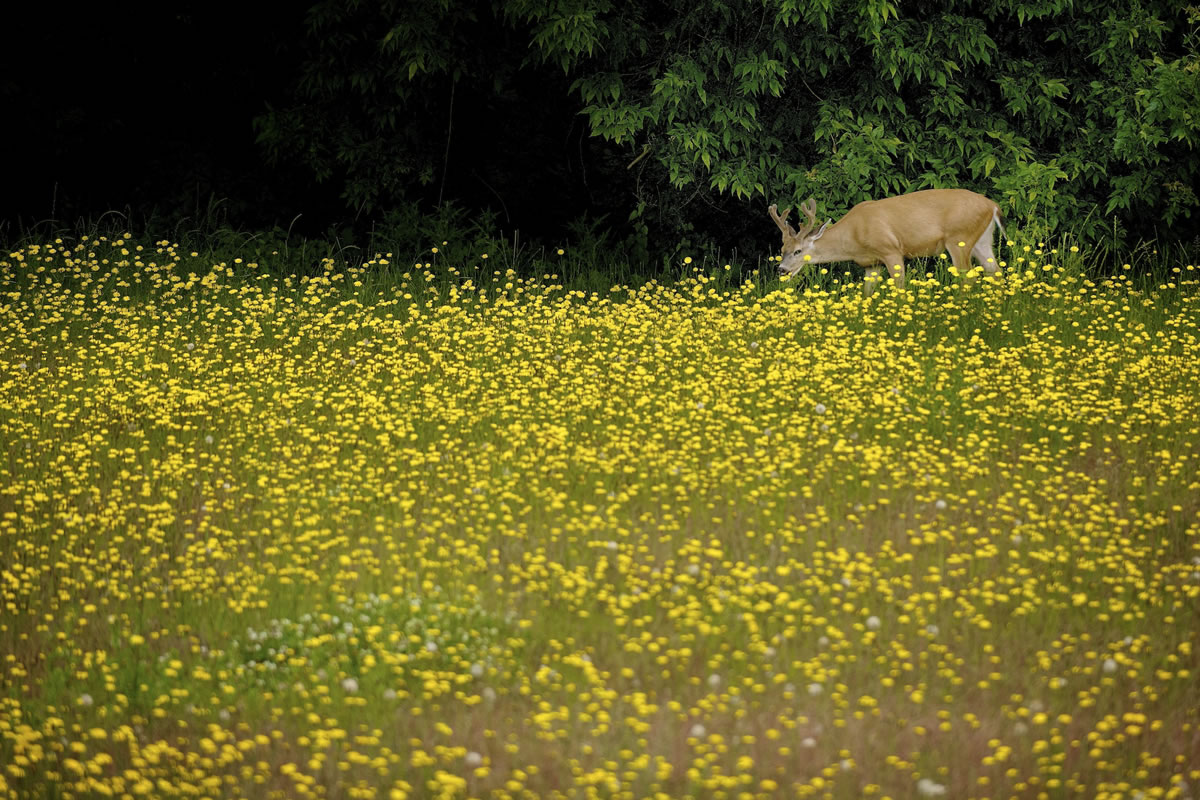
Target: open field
(376, 533)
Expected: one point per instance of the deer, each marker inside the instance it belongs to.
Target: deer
(887, 231)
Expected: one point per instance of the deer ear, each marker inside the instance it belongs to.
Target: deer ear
(817, 235)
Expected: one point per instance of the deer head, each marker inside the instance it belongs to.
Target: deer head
(796, 243)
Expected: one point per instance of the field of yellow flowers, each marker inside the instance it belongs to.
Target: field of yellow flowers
(376, 532)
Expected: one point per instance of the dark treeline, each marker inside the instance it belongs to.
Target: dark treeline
(669, 121)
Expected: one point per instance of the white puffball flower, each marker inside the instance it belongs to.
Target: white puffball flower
(389, 694)
(930, 788)
(1110, 666)
(873, 623)
(349, 685)
(477, 670)
(808, 742)
(697, 731)
(819, 408)
(473, 759)
(815, 689)
(714, 680)
(940, 504)
(85, 699)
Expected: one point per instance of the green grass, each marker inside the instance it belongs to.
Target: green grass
(286, 526)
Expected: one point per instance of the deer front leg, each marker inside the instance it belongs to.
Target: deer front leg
(895, 268)
(872, 281)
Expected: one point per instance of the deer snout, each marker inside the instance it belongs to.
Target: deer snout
(791, 264)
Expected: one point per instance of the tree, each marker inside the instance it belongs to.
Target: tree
(1070, 114)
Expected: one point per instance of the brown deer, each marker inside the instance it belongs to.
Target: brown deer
(885, 232)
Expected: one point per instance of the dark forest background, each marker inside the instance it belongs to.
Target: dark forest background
(653, 124)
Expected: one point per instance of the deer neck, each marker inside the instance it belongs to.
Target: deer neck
(833, 246)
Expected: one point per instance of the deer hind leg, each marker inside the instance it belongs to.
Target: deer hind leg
(960, 256)
(982, 251)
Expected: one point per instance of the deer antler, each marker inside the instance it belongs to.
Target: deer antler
(781, 220)
(810, 210)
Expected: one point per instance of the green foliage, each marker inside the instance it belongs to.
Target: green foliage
(368, 108)
(1060, 111)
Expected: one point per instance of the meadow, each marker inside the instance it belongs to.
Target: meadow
(437, 530)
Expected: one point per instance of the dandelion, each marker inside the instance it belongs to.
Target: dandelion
(502, 522)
